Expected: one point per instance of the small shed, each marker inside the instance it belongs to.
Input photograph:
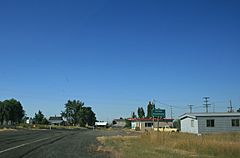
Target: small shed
(101, 124)
(200, 123)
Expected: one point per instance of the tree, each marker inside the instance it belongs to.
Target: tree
(1, 113)
(71, 112)
(89, 116)
(177, 124)
(238, 110)
(77, 114)
(150, 108)
(128, 123)
(16, 110)
(141, 113)
(11, 112)
(133, 115)
(40, 118)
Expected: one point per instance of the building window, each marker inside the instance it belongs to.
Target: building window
(210, 123)
(235, 122)
(192, 123)
(148, 124)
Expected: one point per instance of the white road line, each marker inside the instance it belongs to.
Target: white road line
(15, 147)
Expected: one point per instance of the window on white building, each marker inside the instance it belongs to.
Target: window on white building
(192, 123)
(235, 122)
(148, 124)
(210, 123)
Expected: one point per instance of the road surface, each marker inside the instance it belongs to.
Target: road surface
(52, 143)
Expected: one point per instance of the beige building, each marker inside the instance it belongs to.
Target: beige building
(149, 123)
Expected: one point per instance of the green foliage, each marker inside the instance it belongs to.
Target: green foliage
(11, 112)
(177, 124)
(133, 115)
(141, 113)
(77, 114)
(238, 110)
(128, 123)
(40, 119)
(150, 108)
(137, 129)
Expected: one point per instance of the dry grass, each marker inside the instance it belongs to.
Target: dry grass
(7, 129)
(169, 145)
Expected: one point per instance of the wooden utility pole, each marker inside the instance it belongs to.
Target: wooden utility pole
(230, 108)
(190, 108)
(206, 104)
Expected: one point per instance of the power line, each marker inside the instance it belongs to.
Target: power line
(190, 108)
(213, 107)
(206, 103)
(230, 108)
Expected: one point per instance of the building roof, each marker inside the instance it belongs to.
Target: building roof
(119, 120)
(149, 119)
(212, 114)
(55, 118)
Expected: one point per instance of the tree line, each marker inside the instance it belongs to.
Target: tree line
(141, 113)
(11, 112)
(75, 113)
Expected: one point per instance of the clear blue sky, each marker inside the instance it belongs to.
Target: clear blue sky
(117, 55)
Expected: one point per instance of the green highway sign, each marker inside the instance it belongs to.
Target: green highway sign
(159, 113)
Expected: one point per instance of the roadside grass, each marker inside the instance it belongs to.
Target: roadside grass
(169, 145)
(6, 129)
(38, 126)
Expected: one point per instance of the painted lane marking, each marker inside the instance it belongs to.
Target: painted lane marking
(15, 147)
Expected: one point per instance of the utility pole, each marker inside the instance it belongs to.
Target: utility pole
(206, 104)
(190, 107)
(213, 107)
(230, 108)
(171, 112)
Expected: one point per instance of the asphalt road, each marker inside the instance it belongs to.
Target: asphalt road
(52, 143)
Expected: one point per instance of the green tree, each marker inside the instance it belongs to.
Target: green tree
(238, 110)
(128, 123)
(177, 124)
(88, 116)
(11, 112)
(150, 108)
(71, 112)
(141, 113)
(133, 115)
(1, 113)
(40, 118)
(77, 114)
(16, 110)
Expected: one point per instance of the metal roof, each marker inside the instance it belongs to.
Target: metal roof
(212, 114)
(58, 118)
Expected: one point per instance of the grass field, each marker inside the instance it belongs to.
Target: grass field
(173, 145)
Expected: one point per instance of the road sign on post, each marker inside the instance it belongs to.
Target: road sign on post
(159, 113)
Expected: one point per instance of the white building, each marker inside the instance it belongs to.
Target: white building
(101, 124)
(199, 123)
(148, 123)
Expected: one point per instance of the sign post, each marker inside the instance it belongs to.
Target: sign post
(158, 113)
